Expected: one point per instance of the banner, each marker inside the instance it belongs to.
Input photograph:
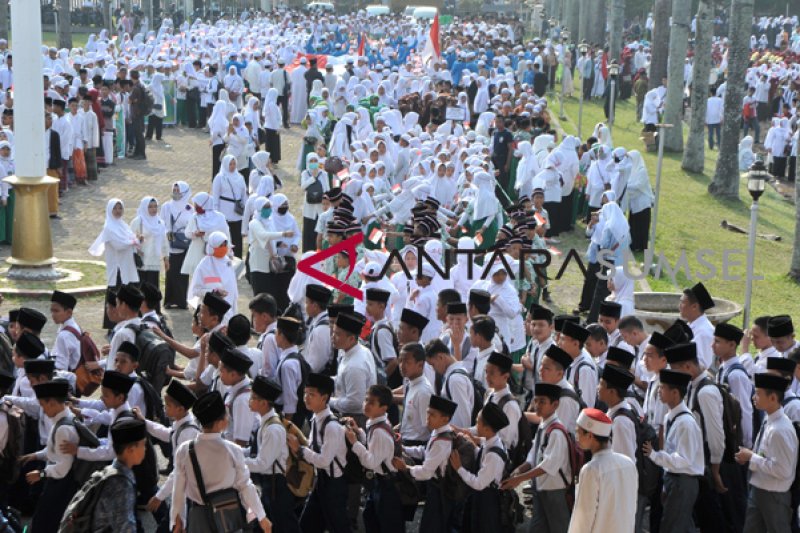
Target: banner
(171, 114)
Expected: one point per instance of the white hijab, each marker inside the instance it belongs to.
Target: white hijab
(113, 229)
(210, 218)
(614, 219)
(151, 224)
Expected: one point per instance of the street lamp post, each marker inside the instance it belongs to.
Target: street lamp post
(582, 48)
(565, 41)
(756, 183)
(661, 128)
(613, 71)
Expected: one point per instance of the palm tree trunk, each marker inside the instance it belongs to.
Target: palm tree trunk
(658, 63)
(597, 22)
(4, 18)
(678, 42)
(64, 24)
(726, 176)
(572, 17)
(585, 21)
(694, 156)
(794, 272)
(617, 13)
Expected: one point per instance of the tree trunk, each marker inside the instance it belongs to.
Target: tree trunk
(726, 176)
(658, 63)
(64, 25)
(596, 25)
(617, 14)
(4, 18)
(694, 156)
(678, 42)
(107, 22)
(584, 21)
(794, 272)
(572, 18)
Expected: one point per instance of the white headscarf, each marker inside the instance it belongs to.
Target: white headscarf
(615, 220)
(114, 229)
(210, 218)
(152, 224)
(218, 121)
(176, 207)
(486, 202)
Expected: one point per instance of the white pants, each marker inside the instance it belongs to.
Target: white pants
(108, 146)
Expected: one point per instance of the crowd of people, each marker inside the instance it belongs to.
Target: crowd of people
(426, 365)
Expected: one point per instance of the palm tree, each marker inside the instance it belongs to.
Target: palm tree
(64, 25)
(726, 176)
(615, 31)
(658, 64)
(678, 42)
(694, 155)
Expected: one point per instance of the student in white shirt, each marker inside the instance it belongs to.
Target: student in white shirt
(221, 465)
(326, 506)
(59, 484)
(414, 395)
(655, 361)
(682, 456)
(692, 307)
(233, 368)
(456, 385)
(540, 327)
(129, 300)
(375, 449)
(483, 506)
(612, 389)
(786, 368)
(268, 455)
(772, 461)
(733, 374)
(67, 347)
(127, 362)
(582, 373)
(780, 331)
(714, 117)
(553, 370)
(289, 371)
(356, 372)
(757, 336)
(606, 493)
(239, 331)
(317, 349)
(497, 372)
(438, 514)
(548, 464)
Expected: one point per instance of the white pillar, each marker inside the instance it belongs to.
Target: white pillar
(26, 30)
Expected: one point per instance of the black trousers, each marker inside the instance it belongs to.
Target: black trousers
(192, 108)
(216, 155)
(176, 284)
(589, 284)
(792, 168)
(309, 235)
(438, 515)
(601, 292)
(137, 127)
(278, 502)
(154, 124)
(566, 212)
(235, 227)
(382, 514)
(481, 511)
(50, 508)
(779, 167)
(283, 101)
(326, 506)
(555, 212)
(640, 229)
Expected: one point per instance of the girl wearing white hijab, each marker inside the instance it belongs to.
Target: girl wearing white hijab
(640, 201)
(155, 122)
(215, 273)
(151, 232)
(746, 155)
(205, 221)
(621, 287)
(315, 182)
(283, 221)
(484, 216)
(229, 191)
(237, 139)
(218, 129)
(234, 84)
(230, 107)
(117, 243)
(481, 102)
(273, 119)
(343, 136)
(615, 236)
(176, 214)
(263, 238)
(527, 168)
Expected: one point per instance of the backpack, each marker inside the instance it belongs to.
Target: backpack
(86, 381)
(299, 473)
(378, 356)
(757, 414)
(649, 472)
(380, 368)
(146, 473)
(15, 439)
(731, 417)
(577, 458)
(155, 355)
(161, 323)
(575, 383)
(81, 470)
(358, 473)
(353, 472)
(748, 111)
(153, 403)
(79, 514)
(478, 390)
(794, 490)
(519, 453)
(569, 393)
(148, 101)
(305, 370)
(6, 355)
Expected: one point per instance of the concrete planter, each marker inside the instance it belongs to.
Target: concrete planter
(658, 310)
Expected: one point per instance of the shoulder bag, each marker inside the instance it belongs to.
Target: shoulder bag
(222, 510)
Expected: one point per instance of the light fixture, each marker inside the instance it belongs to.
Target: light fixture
(757, 178)
(613, 68)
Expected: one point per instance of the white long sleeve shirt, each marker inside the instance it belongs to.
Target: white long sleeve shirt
(330, 441)
(775, 454)
(709, 402)
(490, 469)
(318, 349)
(742, 389)
(623, 432)
(434, 455)
(418, 392)
(58, 464)
(289, 375)
(272, 450)
(378, 453)
(67, 348)
(355, 375)
(458, 388)
(683, 444)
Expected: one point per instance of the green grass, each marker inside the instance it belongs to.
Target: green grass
(92, 275)
(689, 220)
(51, 39)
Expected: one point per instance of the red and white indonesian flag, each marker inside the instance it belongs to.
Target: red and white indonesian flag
(432, 46)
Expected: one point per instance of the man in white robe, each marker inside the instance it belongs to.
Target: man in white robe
(299, 99)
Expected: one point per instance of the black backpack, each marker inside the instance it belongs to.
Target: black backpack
(81, 470)
(355, 471)
(380, 365)
(794, 490)
(148, 101)
(757, 414)
(575, 383)
(153, 403)
(155, 355)
(79, 514)
(305, 370)
(15, 439)
(649, 472)
(519, 453)
(478, 390)
(452, 485)
(161, 323)
(731, 420)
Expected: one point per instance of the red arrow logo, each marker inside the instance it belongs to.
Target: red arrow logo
(347, 245)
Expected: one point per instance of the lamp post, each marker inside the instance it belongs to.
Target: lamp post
(657, 193)
(582, 48)
(756, 183)
(613, 71)
(565, 44)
